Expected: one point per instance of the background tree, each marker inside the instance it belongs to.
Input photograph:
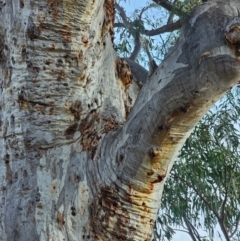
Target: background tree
(81, 159)
(202, 192)
(157, 22)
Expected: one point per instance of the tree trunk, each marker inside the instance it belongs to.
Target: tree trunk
(76, 163)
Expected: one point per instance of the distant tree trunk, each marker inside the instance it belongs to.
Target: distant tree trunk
(76, 163)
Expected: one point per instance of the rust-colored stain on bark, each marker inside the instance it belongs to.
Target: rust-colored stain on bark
(177, 112)
(85, 40)
(123, 72)
(92, 127)
(66, 33)
(70, 131)
(152, 152)
(109, 17)
(80, 56)
(76, 109)
(60, 220)
(53, 6)
(41, 108)
(61, 75)
(159, 178)
(53, 46)
(110, 125)
(89, 130)
(108, 212)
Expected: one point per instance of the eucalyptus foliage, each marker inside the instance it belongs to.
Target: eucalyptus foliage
(203, 189)
(151, 16)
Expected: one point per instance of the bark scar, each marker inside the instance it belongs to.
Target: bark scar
(108, 24)
(233, 40)
(124, 72)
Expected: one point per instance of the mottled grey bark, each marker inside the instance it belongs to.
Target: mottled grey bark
(75, 164)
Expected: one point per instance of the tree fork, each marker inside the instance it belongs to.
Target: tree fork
(76, 165)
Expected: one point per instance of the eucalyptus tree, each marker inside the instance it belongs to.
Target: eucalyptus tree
(81, 157)
(181, 205)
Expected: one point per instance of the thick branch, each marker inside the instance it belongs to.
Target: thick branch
(123, 16)
(169, 7)
(163, 29)
(180, 92)
(138, 71)
(137, 47)
(134, 161)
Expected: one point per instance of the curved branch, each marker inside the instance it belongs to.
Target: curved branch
(137, 47)
(123, 16)
(197, 71)
(166, 28)
(163, 29)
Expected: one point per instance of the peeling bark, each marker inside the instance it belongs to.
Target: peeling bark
(76, 165)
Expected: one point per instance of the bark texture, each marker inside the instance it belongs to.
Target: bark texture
(77, 161)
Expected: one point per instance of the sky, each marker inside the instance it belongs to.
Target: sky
(130, 6)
